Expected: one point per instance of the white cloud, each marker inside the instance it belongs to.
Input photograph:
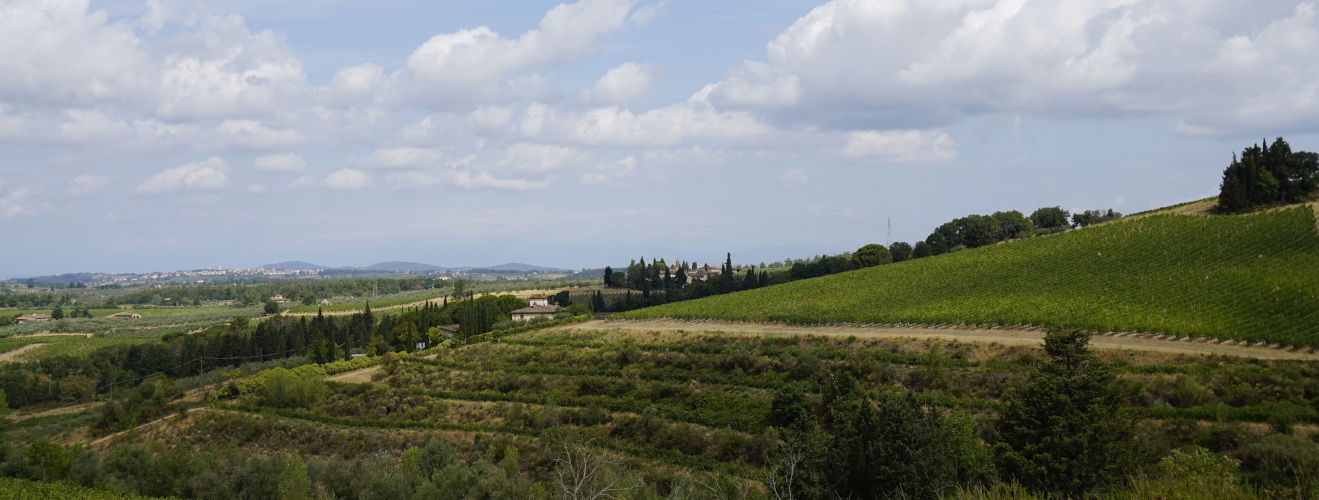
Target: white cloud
(60, 52)
(454, 67)
(357, 82)
(347, 179)
(87, 184)
(207, 174)
(483, 180)
(793, 178)
(253, 134)
(692, 121)
(404, 157)
(890, 64)
(621, 84)
(610, 171)
(233, 73)
(900, 146)
(280, 163)
(16, 202)
(85, 125)
(538, 158)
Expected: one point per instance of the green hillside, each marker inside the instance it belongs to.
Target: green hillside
(1252, 277)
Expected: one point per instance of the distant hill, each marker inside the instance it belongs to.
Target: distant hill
(597, 273)
(1247, 277)
(65, 279)
(293, 265)
(404, 267)
(519, 267)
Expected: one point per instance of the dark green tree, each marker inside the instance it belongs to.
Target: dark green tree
(900, 250)
(1050, 218)
(871, 255)
(57, 313)
(609, 276)
(979, 230)
(1268, 175)
(272, 307)
(921, 249)
(944, 238)
(1014, 225)
(1063, 430)
(1092, 217)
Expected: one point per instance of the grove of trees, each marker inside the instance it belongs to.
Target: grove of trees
(1268, 174)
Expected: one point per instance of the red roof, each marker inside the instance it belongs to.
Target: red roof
(536, 310)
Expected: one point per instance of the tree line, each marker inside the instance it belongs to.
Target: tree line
(320, 338)
(1268, 174)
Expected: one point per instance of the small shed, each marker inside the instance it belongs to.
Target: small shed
(126, 315)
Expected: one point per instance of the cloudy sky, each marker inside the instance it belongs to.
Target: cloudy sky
(166, 135)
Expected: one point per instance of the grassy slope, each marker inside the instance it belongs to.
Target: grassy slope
(1250, 277)
(58, 345)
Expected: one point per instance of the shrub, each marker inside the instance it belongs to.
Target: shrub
(286, 389)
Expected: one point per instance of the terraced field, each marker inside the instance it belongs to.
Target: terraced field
(153, 323)
(701, 401)
(1248, 277)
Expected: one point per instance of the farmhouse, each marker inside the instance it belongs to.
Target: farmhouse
(126, 315)
(277, 298)
(540, 308)
(31, 317)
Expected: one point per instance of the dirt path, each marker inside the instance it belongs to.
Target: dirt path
(999, 335)
(63, 410)
(14, 354)
(362, 376)
(49, 334)
(108, 437)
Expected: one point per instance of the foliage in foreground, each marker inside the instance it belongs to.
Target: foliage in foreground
(1246, 277)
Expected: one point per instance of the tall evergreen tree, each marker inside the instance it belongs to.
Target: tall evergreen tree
(1063, 431)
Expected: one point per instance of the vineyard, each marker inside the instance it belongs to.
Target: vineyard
(153, 323)
(670, 410)
(1249, 277)
(673, 406)
(62, 345)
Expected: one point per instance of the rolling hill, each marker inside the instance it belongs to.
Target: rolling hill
(403, 267)
(1252, 277)
(293, 265)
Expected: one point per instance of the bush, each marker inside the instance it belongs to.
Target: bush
(286, 389)
(1285, 462)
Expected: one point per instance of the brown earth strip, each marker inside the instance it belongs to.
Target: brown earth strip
(14, 354)
(1004, 336)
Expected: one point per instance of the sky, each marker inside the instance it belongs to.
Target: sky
(154, 136)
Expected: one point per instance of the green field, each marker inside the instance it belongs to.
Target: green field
(57, 345)
(437, 294)
(1252, 277)
(153, 323)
